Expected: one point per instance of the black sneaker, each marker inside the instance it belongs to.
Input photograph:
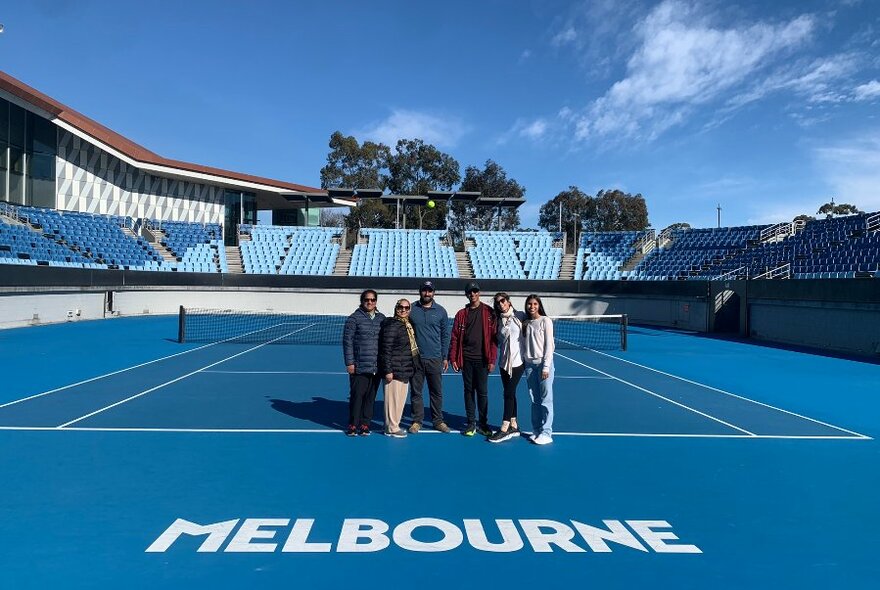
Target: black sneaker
(484, 430)
(351, 430)
(501, 436)
(364, 430)
(469, 430)
(400, 433)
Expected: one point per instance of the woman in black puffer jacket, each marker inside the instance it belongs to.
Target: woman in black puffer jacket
(398, 355)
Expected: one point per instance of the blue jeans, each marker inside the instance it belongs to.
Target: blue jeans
(541, 391)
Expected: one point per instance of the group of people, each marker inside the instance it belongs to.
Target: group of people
(414, 347)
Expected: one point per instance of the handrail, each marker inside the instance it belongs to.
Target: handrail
(783, 271)
(797, 226)
(872, 222)
(786, 228)
(647, 242)
(737, 273)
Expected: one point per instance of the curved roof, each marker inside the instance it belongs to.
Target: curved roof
(129, 148)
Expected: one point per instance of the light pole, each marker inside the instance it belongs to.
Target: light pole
(719, 215)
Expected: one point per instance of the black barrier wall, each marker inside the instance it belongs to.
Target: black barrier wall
(833, 314)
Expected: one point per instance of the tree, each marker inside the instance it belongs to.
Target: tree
(576, 206)
(352, 165)
(804, 218)
(678, 226)
(831, 209)
(619, 211)
(332, 218)
(491, 181)
(415, 168)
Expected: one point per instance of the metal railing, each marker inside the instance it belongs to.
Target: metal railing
(646, 243)
(664, 237)
(777, 232)
(736, 274)
(783, 271)
(872, 222)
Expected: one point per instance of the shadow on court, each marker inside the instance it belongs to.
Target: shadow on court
(334, 413)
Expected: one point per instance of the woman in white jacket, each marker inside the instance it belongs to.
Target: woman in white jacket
(538, 348)
(510, 363)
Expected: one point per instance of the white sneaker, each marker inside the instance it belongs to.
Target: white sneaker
(543, 439)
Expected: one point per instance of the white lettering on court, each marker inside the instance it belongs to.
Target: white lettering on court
(560, 535)
(298, 541)
(452, 536)
(362, 528)
(216, 532)
(596, 537)
(656, 540)
(367, 535)
(252, 529)
(476, 534)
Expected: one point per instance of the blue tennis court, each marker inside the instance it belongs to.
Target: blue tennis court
(686, 462)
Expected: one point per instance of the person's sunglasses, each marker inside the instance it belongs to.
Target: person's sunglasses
(500, 300)
(403, 307)
(369, 300)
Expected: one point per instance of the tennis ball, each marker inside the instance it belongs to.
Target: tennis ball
(431, 204)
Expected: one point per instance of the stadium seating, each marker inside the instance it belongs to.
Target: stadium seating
(271, 249)
(514, 255)
(403, 253)
(98, 237)
(841, 247)
(19, 244)
(692, 251)
(601, 255)
(197, 246)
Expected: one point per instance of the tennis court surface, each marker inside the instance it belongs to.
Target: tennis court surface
(131, 460)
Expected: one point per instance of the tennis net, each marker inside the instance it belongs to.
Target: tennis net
(597, 332)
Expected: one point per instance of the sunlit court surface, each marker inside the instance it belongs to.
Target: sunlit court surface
(131, 460)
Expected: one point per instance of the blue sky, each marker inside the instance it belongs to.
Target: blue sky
(768, 108)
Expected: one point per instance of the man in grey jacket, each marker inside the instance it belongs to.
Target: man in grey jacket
(431, 323)
(360, 348)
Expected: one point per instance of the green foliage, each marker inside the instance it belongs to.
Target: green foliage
(679, 225)
(415, 168)
(804, 218)
(831, 209)
(611, 210)
(619, 211)
(352, 165)
(491, 181)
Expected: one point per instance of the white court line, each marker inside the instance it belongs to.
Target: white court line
(648, 391)
(735, 395)
(57, 389)
(344, 373)
(137, 395)
(435, 432)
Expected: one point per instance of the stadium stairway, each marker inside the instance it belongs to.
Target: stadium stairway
(233, 260)
(166, 254)
(343, 263)
(566, 269)
(465, 270)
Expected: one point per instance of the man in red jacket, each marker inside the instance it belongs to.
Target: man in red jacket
(472, 350)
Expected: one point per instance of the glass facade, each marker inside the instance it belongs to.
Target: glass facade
(241, 207)
(28, 147)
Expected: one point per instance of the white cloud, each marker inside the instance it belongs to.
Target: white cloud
(851, 169)
(868, 91)
(534, 130)
(683, 61)
(525, 55)
(441, 131)
(565, 36)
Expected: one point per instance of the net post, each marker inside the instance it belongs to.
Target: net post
(181, 325)
(624, 321)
